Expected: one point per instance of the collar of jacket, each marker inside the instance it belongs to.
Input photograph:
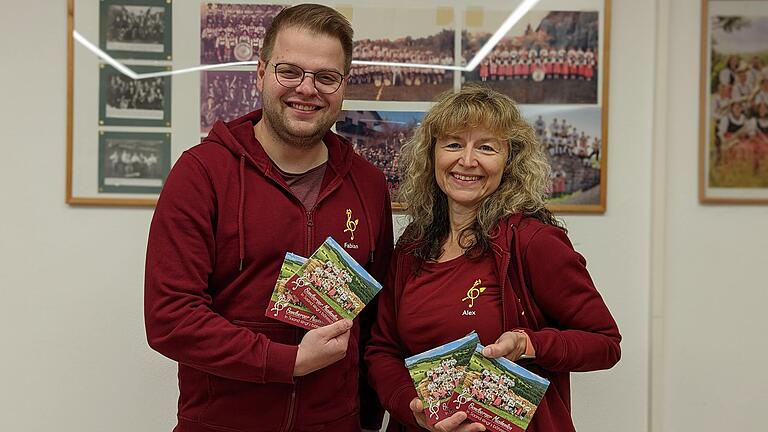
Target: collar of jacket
(339, 159)
(339, 152)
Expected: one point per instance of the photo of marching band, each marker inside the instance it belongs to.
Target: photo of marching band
(133, 162)
(571, 137)
(130, 30)
(550, 57)
(423, 36)
(738, 95)
(233, 32)
(226, 95)
(128, 102)
(377, 136)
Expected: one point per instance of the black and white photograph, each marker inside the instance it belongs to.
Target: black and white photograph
(226, 95)
(548, 57)
(572, 141)
(124, 101)
(136, 29)
(234, 32)
(422, 36)
(133, 162)
(377, 136)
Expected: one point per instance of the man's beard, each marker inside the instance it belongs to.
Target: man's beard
(283, 131)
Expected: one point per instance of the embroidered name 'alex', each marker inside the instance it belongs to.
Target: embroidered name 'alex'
(472, 294)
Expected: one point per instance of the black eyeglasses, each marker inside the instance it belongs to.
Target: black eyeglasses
(291, 76)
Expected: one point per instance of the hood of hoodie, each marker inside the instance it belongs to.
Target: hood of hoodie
(222, 133)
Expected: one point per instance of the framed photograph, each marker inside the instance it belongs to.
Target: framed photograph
(136, 29)
(234, 32)
(377, 136)
(571, 136)
(226, 95)
(127, 102)
(423, 36)
(548, 57)
(554, 63)
(131, 162)
(733, 155)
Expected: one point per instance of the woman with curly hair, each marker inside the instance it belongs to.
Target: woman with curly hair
(482, 252)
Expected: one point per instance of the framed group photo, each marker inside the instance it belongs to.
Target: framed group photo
(126, 132)
(733, 155)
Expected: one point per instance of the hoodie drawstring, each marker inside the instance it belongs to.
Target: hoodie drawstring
(367, 217)
(240, 209)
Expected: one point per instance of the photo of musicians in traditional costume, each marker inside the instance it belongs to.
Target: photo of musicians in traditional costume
(737, 114)
(548, 57)
(234, 32)
(125, 101)
(422, 36)
(131, 162)
(226, 95)
(132, 29)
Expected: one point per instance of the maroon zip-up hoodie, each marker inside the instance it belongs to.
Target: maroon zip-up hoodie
(220, 231)
(546, 291)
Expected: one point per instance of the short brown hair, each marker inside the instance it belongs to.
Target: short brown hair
(314, 18)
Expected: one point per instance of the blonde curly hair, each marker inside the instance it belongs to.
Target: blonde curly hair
(524, 183)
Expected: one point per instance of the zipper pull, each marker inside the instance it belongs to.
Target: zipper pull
(309, 219)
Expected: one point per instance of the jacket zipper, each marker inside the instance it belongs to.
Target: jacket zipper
(311, 213)
(291, 407)
(504, 273)
(309, 236)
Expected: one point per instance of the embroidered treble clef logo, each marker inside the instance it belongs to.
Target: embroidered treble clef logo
(351, 224)
(474, 293)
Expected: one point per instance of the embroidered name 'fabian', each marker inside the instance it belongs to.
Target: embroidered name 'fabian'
(351, 245)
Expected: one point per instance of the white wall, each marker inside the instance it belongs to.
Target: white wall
(75, 358)
(714, 290)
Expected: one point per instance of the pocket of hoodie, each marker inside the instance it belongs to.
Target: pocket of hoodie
(250, 406)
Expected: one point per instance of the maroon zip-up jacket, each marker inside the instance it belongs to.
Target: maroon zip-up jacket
(546, 291)
(220, 231)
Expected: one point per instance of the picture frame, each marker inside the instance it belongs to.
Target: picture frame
(733, 113)
(578, 186)
(136, 29)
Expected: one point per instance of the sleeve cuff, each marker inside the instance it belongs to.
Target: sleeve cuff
(401, 407)
(280, 361)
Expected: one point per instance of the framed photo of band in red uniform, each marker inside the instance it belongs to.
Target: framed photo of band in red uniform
(554, 62)
(733, 154)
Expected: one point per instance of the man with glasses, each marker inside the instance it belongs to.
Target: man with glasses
(273, 181)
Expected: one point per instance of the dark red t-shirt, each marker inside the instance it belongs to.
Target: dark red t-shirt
(447, 300)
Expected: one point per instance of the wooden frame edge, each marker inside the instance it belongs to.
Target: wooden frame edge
(70, 97)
